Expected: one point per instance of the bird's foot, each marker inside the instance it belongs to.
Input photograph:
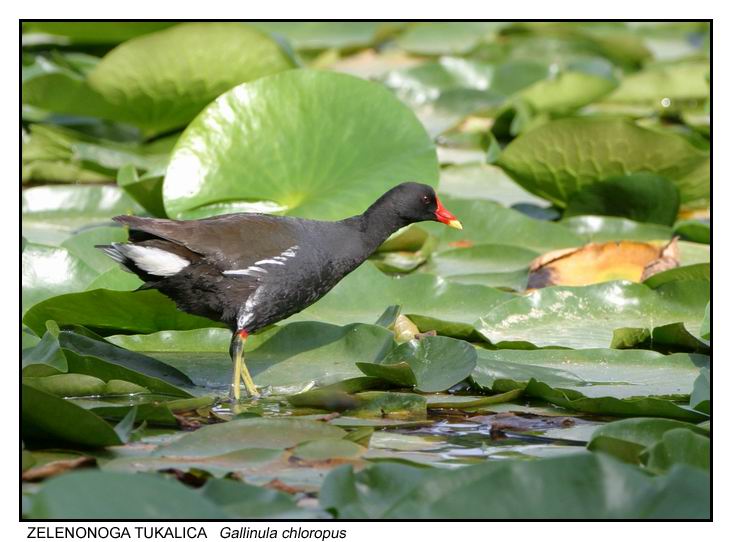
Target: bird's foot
(235, 393)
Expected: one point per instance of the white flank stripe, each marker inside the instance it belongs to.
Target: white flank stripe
(155, 261)
(250, 271)
(253, 270)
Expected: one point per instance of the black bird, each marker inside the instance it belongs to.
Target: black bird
(250, 270)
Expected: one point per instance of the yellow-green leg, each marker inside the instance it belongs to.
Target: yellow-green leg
(240, 370)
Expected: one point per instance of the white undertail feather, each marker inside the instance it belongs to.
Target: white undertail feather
(152, 260)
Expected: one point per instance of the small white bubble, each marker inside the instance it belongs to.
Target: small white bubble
(666, 102)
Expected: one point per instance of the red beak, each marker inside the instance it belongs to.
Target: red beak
(446, 217)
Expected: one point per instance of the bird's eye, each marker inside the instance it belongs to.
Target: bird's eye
(426, 199)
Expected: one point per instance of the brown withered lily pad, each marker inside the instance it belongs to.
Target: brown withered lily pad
(600, 262)
(54, 468)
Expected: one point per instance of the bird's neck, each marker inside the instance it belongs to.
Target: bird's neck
(377, 223)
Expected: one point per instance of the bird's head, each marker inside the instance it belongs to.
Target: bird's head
(416, 202)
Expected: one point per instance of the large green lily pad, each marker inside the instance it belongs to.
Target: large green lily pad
(574, 486)
(627, 439)
(677, 82)
(483, 181)
(600, 229)
(563, 156)
(228, 159)
(598, 372)
(641, 197)
(437, 363)
(52, 213)
(490, 265)
(161, 80)
(46, 417)
(266, 433)
(130, 312)
(489, 222)
(51, 271)
(586, 316)
(135, 496)
(678, 446)
(421, 294)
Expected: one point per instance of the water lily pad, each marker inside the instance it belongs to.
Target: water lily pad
(678, 446)
(627, 439)
(600, 229)
(327, 449)
(213, 339)
(103, 360)
(596, 372)
(81, 245)
(586, 316)
(216, 465)
(641, 197)
(249, 501)
(563, 156)
(388, 404)
(51, 271)
(399, 374)
(170, 75)
(575, 86)
(130, 312)
(146, 189)
(485, 259)
(315, 116)
(483, 181)
(52, 213)
(578, 486)
(705, 330)
(436, 38)
(45, 358)
(269, 433)
(136, 496)
(307, 35)
(437, 363)
(101, 32)
(67, 385)
(417, 294)
(700, 397)
(677, 82)
(612, 406)
(693, 230)
(697, 272)
(46, 417)
(489, 222)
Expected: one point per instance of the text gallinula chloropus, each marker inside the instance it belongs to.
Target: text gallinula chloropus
(251, 270)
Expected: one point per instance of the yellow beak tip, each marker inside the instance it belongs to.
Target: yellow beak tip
(455, 224)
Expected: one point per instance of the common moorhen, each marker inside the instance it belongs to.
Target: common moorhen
(251, 270)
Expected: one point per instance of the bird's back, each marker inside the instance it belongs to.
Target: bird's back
(247, 270)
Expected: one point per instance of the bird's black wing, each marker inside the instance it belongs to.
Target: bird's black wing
(231, 242)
